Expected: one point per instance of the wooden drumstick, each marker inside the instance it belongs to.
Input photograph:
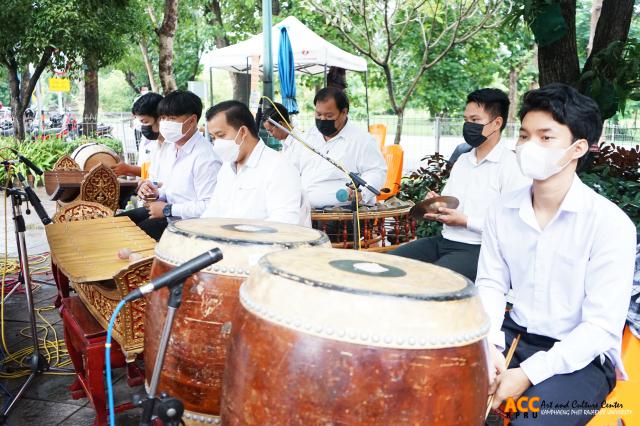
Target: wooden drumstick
(512, 350)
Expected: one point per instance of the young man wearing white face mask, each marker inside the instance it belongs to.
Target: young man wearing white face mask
(187, 162)
(568, 255)
(255, 182)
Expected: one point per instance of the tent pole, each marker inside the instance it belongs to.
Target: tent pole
(210, 86)
(325, 73)
(366, 97)
(267, 77)
(248, 81)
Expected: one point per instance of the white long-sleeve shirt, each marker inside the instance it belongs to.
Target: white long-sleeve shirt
(266, 187)
(478, 185)
(189, 176)
(353, 148)
(571, 280)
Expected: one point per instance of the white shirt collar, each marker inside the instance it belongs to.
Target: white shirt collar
(493, 156)
(254, 157)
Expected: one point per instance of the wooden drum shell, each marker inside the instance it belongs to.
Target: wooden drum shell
(194, 364)
(337, 337)
(195, 358)
(91, 154)
(278, 376)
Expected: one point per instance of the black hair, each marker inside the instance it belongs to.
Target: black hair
(180, 102)
(237, 115)
(567, 106)
(277, 112)
(336, 94)
(147, 104)
(494, 101)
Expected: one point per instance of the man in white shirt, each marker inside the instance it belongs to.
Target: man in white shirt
(187, 162)
(145, 112)
(477, 180)
(336, 137)
(567, 254)
(255, 182)
(278, 113)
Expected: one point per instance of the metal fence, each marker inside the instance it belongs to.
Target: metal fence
(421, 135)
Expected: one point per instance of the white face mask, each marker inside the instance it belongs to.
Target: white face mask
(171, 131)
(227, 149)
(540, 163)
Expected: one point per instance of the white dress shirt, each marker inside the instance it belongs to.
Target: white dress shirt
(353, 148)
(478, 186)
(571, 280)
(265, 187)
(145, 150)
(190, 173)
(156, 169)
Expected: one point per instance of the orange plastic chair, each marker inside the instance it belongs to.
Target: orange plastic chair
(626, 392)
(379, 132)
(393, 156)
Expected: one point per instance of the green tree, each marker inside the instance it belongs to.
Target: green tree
(34, 32)
(387, 33)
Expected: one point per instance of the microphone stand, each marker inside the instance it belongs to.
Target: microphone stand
(38, 364)
(357, 180)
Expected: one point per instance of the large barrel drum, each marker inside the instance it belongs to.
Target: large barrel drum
(196, 354)
(91, 154)
(336, 337)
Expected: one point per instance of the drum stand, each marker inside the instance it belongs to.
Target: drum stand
(355, 221)
(38, 364)
(169, 409)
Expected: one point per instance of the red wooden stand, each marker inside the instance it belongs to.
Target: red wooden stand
(85, 340)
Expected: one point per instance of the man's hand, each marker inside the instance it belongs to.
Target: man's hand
(497, 366)
(148, 190)
(451, 217)
(155, 209)
(121, 169)
(512, 383)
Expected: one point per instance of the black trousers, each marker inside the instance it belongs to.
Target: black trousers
(590, 385)
(153, 227)
(459, 257)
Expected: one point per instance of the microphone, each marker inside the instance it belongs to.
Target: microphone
(342, 195)
(35, 201)
(177, 275)
(28, 162)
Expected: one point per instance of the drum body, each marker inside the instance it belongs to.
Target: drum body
(195, 358)
(383, 227)
(91, 154)
(339, 337)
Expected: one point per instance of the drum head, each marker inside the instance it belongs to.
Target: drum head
(242, 241)
(367, 298)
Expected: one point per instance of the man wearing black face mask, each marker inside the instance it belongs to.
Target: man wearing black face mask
(477, 180)
(335, 136)
(145, 113)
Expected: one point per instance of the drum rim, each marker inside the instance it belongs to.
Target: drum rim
(466, 292)
(322, 239)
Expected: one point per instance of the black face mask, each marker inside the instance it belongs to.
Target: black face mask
(326, 127)
(148, 132)
(472, 134)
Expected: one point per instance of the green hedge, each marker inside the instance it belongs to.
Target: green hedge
(45, 153)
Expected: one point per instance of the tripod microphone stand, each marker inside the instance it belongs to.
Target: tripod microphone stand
(38, 363)
(357, 180)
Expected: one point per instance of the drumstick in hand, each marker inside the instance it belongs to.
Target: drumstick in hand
(512, 350)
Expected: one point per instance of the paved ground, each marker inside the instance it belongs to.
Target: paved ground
(47, 400)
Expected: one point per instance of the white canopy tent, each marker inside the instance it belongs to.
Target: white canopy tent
(311, 53)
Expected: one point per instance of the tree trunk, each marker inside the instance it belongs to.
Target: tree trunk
(613, 25)
(513, 94)
(91, 99)
(129, 78)
(596, 8)
(240, 83)
(399, 125)
(558, 62)
(166, 33)
(17, 106)
(149, 67)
